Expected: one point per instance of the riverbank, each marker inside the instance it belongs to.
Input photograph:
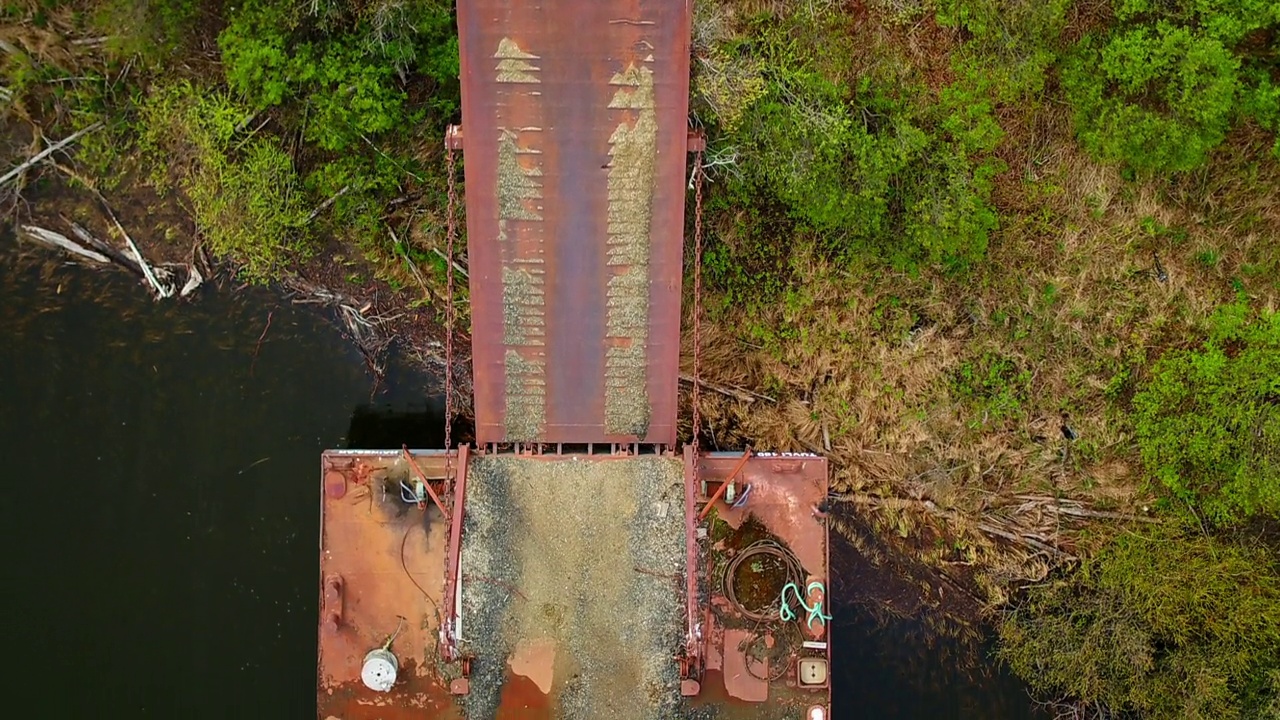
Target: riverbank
(1012, 326)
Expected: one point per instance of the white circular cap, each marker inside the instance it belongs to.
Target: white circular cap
(817, 712)
(379, 671)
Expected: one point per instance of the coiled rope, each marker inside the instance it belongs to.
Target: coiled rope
(765, 548)
(815, 613)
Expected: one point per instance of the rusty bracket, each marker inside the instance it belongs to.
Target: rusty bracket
(453, 137)
(425, 482)
(697, 141)
(706, 509)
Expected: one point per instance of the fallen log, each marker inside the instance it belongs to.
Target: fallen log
(59, 241)
(105, 248)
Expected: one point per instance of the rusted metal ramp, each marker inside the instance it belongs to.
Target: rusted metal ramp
(575, 137)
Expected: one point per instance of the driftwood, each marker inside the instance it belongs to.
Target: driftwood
(47, 152)
(194, 280)
(161, 290)
(110, 251)
(738, 393)
(61, 242)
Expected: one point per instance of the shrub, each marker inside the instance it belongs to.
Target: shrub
(1013, 42)
(866, 170)
(1169, 626)
(243, 190)
(1163, 89)
(1155, 99)
(350, 65)
(993, 384)
(1208, 423)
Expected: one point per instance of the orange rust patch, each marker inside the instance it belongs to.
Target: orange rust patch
(522, 698)
(738, 680)
(784, 503)
(534, 658)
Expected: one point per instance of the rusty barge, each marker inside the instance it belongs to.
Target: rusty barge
(574, 563)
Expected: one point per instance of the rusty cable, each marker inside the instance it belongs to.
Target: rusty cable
(697, 295)
(450, 317)
(767, 548)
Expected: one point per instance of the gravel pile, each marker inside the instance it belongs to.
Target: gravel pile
(596, 553)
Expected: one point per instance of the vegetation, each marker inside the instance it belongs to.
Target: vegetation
(1208, 424)
(1168, 626)
(259, 113)
(1161, 89)
(244, 192)
(994, 257)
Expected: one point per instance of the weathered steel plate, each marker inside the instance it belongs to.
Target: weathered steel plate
(575, 137)
(388, 559)
(785, 500)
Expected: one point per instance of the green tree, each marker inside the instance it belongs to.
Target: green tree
(1208, 423)
(1162, 90)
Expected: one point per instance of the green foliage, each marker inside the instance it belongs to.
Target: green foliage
(152, 29)
(866, 170)
(1013, 42)
(993, 384)
(1171, 626)
(349, 68)
(1162, 90)
(243, 190)
(1156, 99)
(1228, 21)
(1208, 423)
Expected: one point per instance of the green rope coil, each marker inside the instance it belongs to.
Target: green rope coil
(815, 612)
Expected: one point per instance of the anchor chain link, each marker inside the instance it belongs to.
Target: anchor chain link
(697, 297)
(450, 317)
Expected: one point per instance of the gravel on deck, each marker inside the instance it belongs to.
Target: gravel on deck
(589, 554)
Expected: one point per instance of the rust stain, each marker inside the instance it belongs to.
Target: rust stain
(534, 658)
(784, 491)
(739, 681)
(783, 503)
(522, 698)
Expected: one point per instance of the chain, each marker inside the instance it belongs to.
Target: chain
(450, 317)
(697, 295)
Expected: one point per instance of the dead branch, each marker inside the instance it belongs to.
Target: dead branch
(325, 205)
(162, 291)
(1073, 508)
(105, 248)
(1030, 542)
(461, 270)
(47, 152)
(413, 267)
(737, 393)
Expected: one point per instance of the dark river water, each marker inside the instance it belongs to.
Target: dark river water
(162, 498)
